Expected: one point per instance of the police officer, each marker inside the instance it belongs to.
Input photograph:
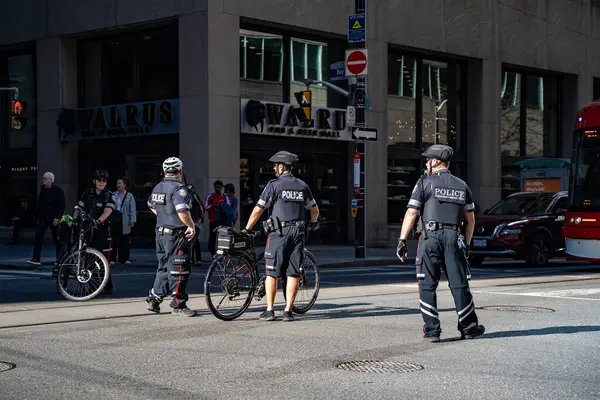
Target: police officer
(287, 197)
(170, 201)
(99, 203)
(444, 200)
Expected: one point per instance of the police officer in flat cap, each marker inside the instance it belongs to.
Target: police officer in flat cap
(171, 202)
(444, 202)
(287, 197)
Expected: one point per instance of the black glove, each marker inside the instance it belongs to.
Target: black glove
(468, 251)
(313, 226)
(402, 248)
(97, 223)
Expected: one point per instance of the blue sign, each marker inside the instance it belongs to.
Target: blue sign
(133, 119)
(357, 28)
(337, 71)
(353, 204)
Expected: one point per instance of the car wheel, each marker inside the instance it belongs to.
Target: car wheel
(538, 250)
(475, 261)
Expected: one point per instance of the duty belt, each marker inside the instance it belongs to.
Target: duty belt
(161, 230)
(436, 226)
(292, 223)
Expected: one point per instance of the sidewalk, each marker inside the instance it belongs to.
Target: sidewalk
(15, 257)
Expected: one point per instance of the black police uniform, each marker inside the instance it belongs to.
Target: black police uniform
(169, 197)
(95, 203)
(443, 199)
(289, 197)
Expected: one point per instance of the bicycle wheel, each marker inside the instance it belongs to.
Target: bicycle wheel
(230, 278)
(86, 283)
(308, 285)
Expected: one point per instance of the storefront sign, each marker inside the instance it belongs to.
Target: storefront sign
(282, 119)
(542, 185)
(132, 119)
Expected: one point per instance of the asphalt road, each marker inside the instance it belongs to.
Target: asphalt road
(109, 348)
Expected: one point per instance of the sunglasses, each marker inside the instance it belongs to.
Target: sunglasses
(100, 180)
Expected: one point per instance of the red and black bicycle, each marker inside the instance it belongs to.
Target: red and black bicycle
(233, 278)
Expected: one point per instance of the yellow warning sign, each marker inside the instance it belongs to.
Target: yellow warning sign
(356, 25)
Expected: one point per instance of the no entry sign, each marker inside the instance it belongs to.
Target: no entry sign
(356, 62)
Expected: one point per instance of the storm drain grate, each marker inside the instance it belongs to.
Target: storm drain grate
(380, 367)
(5, 366)
(521, 309)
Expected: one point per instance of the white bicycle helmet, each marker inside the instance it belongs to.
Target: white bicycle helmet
(172, 165)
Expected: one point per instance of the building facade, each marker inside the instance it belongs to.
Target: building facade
(499, 81)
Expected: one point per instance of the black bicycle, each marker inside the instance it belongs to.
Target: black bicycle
(82, 272)
(233, 277)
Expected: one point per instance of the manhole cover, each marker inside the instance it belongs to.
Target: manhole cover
(379, 367)
(4, 366)
(522, 309)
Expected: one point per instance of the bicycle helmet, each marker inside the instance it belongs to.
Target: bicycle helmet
(100, 174)
(284, 157)
(172, 165)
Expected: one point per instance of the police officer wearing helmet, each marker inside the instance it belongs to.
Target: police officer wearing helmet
(99, 203)
(444, 201)
(287, 197)
(171, 201)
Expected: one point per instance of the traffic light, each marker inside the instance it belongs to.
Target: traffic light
(18, 115)
(304, 99)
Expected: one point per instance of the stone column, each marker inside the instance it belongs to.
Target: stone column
(209, 93)
(57, 88)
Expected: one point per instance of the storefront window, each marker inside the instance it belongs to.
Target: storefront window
(425, 106)
(128, 68)
(530, 122)
(21, 75)
(309, 60)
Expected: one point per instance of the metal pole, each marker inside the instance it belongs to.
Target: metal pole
(358, 101)
(12, 89)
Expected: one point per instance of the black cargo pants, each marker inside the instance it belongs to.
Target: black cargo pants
(440, 251)
(173, 274)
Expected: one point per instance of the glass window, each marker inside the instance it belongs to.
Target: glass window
(536, 138)
(20, 74)
(158, 65)
(510, 122)
(118, 70)
(298, 61)
(309, 60)
(261, 56)
(402, 78)
(596, 90)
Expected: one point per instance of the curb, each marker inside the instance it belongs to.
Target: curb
(337, 264)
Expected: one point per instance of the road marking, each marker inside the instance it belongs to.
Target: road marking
(536, 295)
(565, 292)
(28, 273)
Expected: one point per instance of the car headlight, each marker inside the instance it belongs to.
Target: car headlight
(507, 232)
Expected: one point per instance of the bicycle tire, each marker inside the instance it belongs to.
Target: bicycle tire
(96, 292)
(304, 309)
(207, 295)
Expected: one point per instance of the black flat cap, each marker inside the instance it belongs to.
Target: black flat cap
(439, 151)
(284, 157)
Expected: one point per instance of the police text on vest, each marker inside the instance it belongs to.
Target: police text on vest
(453, 194)
(292, 195)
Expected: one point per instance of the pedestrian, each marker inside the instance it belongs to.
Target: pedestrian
(123, 219)
(49, 209)
(18, 221)
(198, 218)
(233, 201)
(287, 197)
(444, 201)
(213, 201)
(170, 201)
(98, 201)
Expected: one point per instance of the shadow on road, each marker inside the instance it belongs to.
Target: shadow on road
(553, 330)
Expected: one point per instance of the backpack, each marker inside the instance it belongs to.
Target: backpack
(225, 214)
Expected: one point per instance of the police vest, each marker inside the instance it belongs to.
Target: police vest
(95, 203)
(447, 199)
(162, 198)
(289, 200)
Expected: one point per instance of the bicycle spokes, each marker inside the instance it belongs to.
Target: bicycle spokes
(230, 284)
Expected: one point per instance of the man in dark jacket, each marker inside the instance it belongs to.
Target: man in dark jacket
(49, 210)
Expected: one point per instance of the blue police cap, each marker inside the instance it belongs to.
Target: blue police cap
(284, 157)
(439, 151)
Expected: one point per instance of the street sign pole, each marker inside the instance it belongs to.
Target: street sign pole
(358, 100)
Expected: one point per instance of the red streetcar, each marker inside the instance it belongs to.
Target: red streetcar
(581, 228)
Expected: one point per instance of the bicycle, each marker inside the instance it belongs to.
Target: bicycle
(239, 251)
(88, 267)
